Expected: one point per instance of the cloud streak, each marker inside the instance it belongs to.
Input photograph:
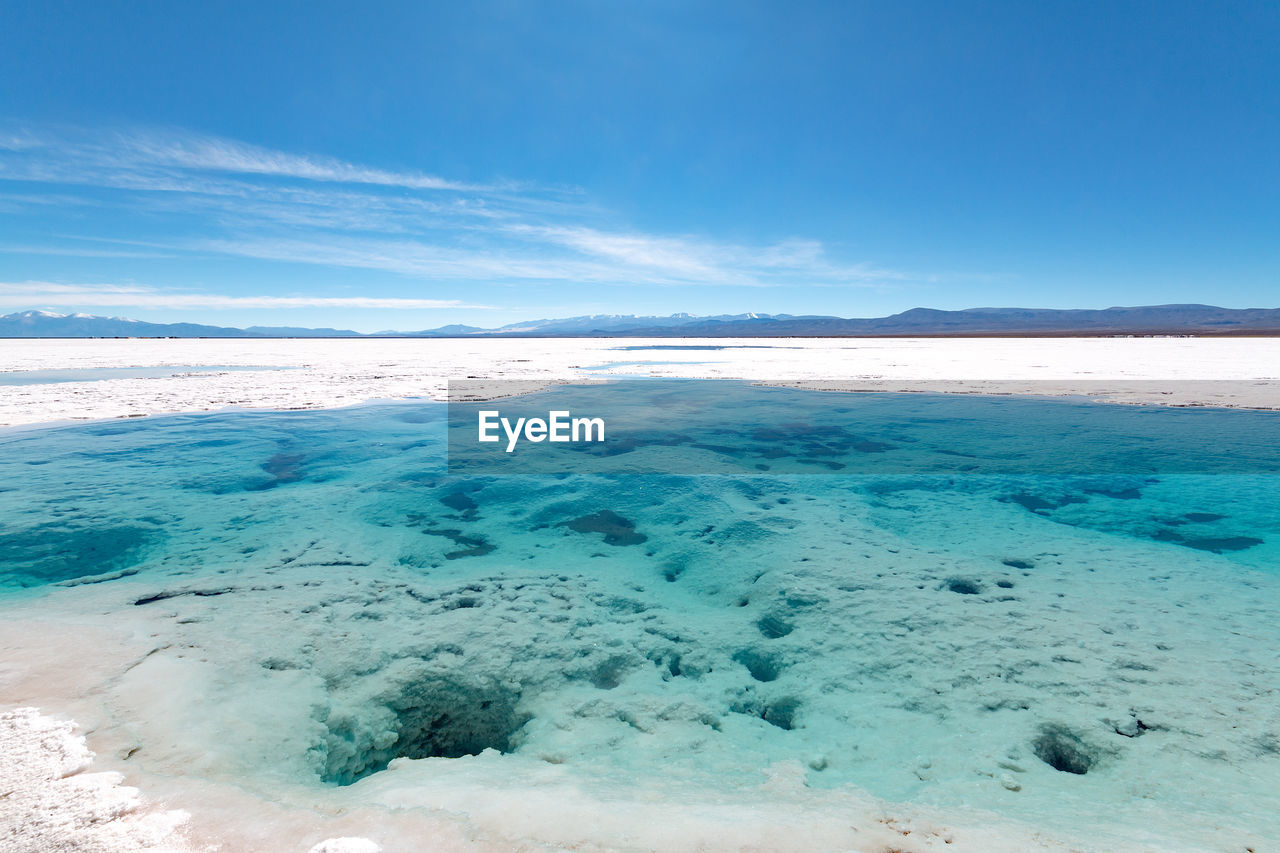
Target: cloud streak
(223, 155)
(202, 197)
(159, 153)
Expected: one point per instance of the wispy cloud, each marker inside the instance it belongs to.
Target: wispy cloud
(415, 259)
(155, 153)
(53, 294)
(223, 155)
(707, 265)
(200, 196)
(686, 259)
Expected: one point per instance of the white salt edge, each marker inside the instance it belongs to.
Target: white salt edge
(341, 372)
(346, 845)
(49, 803)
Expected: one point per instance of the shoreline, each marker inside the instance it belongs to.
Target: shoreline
(338, 373)
(59, 792)
(1144, 393)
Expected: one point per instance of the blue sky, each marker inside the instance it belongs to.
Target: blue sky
(413, 164)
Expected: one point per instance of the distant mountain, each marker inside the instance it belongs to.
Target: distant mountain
(456, 330)
(589, 324)
(298, 332)
(1142, 320)
(1154, 319)
(624, 323)
(46, 324)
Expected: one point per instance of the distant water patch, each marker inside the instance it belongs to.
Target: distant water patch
(95, 374)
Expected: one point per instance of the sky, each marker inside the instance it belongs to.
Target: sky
(408, 165)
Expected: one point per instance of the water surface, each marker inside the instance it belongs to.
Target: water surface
(96, 374)
(1063, 648)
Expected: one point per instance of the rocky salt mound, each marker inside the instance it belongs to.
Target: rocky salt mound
(51, 803)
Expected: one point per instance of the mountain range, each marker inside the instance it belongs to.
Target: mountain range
(1140, 320)
(47, 324)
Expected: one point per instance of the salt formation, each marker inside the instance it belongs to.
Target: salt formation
(50, 803)
(346, 845)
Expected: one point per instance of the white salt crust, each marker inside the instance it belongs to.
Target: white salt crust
(51, 803)
(343, 372)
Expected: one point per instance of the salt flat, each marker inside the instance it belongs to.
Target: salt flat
(339, 372)
(280, 601)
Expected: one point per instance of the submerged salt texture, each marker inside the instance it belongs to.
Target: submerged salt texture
(274, 614)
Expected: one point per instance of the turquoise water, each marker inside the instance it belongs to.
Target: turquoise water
(1052, 647)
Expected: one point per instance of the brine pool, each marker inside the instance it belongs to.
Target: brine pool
(99, 374)
(1094, 654)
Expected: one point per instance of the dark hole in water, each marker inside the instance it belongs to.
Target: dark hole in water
(963, 586)
(780, 712)
(1064, 750)
(437, 717)
(609, 673)
(1220, 544)
(283, 468)
(1203, 517)
(774, 627)
(1037, 504)
(51, 553)
(762, 666)
(616, 529)
(472, 546)
(461, 502)
(1213, 544)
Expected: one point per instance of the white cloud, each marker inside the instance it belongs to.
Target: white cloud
(28, 293)
(693, 260)
(142, 158)
(432, 262)
(676, 258)
(223, 155)
(200, 196)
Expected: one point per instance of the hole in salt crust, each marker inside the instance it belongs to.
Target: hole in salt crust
(1064, 750)
(438, 717)
(963, 586)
